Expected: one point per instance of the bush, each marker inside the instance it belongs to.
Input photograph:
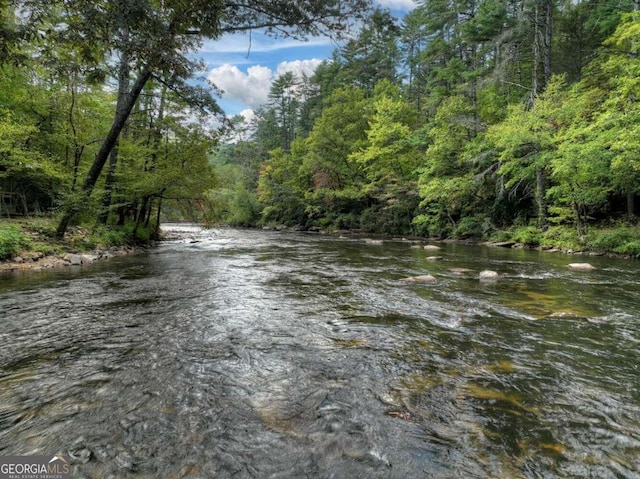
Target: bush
(472, 227)
(528, 236)
(631, 248)
(620, 240)
(561, 237)
(12, 241)
(609, 240)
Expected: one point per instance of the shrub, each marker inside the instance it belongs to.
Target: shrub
(12, 240)
(609, 240)
(621, 240)
(527, 235)
(561, 237)
(474, 227)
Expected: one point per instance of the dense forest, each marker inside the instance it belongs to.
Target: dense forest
(466, 119)
(103, 117)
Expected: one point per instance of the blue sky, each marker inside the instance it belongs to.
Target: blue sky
(244, 67)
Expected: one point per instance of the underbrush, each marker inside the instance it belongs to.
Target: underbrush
(12, 240)
(623, 240)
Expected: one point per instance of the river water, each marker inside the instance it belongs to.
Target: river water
(253, 354)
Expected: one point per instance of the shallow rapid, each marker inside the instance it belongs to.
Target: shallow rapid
(260, 354)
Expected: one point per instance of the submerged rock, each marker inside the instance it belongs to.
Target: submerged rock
(581, 266)
(432, 247)
(460, 271)
(435, 258)
(423, 279)
(487, 274)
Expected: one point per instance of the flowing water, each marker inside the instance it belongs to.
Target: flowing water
(252, 354)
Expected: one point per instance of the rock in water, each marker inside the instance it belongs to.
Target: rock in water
(581, 266)
(488, 274)
(424, 279)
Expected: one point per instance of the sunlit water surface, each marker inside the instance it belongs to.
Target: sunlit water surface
(251, 354)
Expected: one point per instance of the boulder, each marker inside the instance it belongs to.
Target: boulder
(487, 274)
(423, 279)
(432, 247)
(78, 259)
(581, 266)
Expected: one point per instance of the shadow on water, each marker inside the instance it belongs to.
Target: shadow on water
(227, 353)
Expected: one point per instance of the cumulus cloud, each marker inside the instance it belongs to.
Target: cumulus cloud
(299, 67)
(252, 88)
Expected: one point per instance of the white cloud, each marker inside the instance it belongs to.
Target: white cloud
(248, 114)
(252, 88)
(404, 5)
(299, 67)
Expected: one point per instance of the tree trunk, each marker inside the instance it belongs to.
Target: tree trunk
(123, 89)
(119, 121)
(541, 192)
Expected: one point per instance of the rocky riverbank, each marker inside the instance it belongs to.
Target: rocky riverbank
(37, 260)
(31, 245)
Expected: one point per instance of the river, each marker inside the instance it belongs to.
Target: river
(263, 354)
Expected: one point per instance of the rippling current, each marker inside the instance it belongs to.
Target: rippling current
(253, 354)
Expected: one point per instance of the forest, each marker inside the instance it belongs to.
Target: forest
(469, 119)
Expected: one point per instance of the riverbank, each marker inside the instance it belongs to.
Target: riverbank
(29, 244)
(617, 242)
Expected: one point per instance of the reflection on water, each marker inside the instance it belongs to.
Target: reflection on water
(227, 353)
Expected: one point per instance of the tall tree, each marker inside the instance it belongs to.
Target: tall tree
(166, 32)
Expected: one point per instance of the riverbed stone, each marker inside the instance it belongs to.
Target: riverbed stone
(581, 266)
(487, 274)
(422, 279)
(435, 258)
(432, 247)
(460, 271)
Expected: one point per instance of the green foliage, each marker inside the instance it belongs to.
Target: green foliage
(620, 240)
(561, 237)
(473, 227)
(12, 241)
(528, 236)
(474, 136)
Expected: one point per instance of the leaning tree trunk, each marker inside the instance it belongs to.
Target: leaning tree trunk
(110, 140)
(123, 88)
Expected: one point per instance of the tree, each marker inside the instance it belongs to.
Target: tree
(283, 101)
(390, 161)
(165, 33)
(373, 55)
